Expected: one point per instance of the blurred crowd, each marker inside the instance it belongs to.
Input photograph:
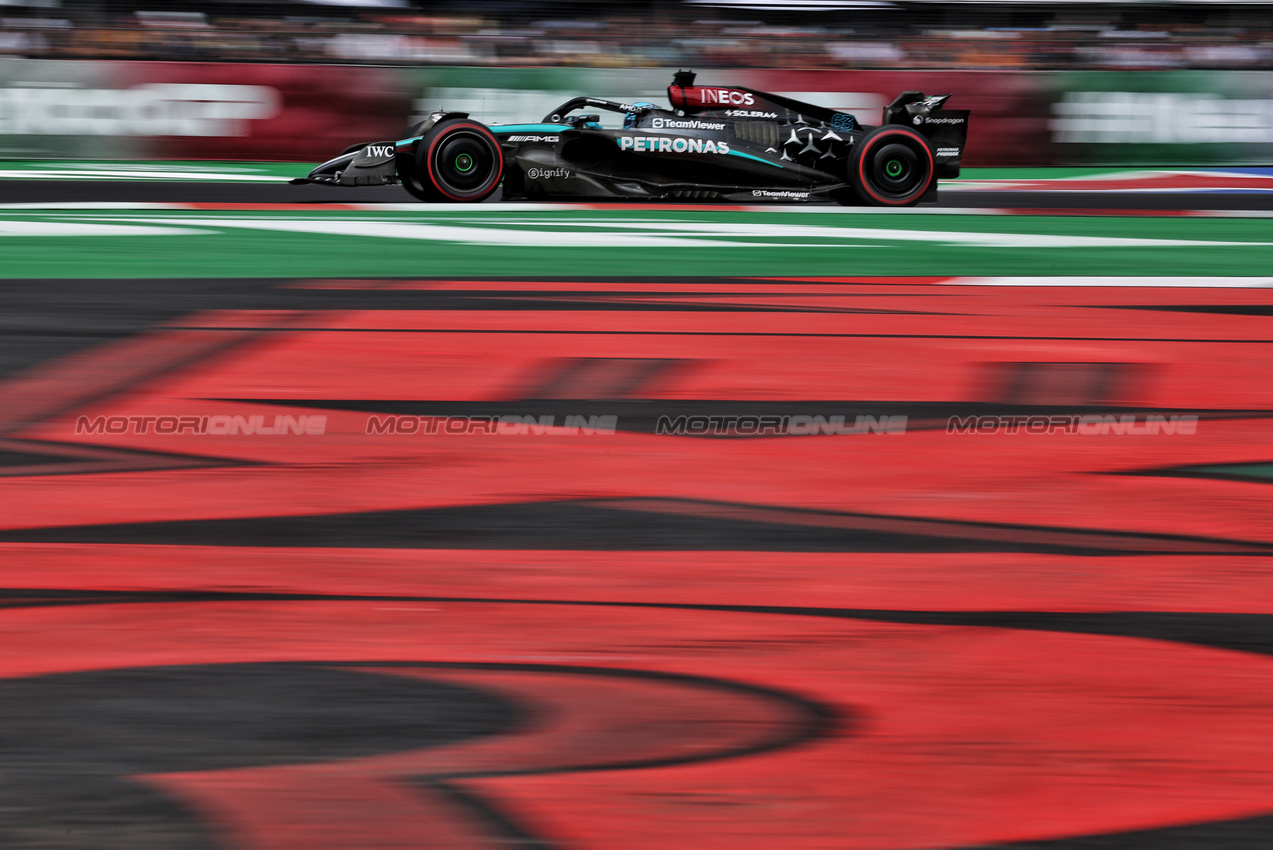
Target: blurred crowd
(1080, 37)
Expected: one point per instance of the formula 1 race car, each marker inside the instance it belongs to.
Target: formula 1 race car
(729, 144)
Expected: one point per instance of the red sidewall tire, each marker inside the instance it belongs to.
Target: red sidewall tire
(869, 185)
(454, 140)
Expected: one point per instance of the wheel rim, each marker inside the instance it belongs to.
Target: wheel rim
(896, 171)
(465, 163)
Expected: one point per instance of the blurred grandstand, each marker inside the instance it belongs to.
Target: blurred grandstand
(818, 34)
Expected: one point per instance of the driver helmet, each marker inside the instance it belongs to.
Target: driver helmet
(629, 120)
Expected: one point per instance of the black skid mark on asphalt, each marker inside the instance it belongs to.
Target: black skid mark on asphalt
(69, 742)
(60, 810)
(573, 378)
(501, 827)
(42, 320)
(547, 299)
(227, 716)
(1229, 471)
(1237, 632)
(429, 300)
(551, 525)
(740, 334)
(1220, 309)
(636, 524)
(24, 458)
(1245, 834)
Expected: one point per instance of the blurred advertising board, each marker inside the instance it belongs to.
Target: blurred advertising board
(173, 110)
(520, 95)
(1162, 117)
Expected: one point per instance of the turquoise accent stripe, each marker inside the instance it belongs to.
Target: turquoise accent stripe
(529, 128)
(502, 128)
(758, 159)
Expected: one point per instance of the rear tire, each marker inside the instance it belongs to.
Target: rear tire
(456, 161)
(892, 167)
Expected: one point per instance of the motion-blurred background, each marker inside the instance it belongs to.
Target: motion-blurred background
(1051, 83)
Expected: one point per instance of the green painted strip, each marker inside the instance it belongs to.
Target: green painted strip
(975, 174)
(1250, 470)
(527, 241)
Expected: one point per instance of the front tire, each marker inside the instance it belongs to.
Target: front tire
(456, 161)
(892, 167)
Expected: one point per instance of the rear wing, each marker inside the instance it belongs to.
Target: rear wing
(945, 129)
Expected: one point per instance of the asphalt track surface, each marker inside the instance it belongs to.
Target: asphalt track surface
(104, 191)
(630, 640)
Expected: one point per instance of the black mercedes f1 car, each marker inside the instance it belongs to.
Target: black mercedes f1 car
(715, 143)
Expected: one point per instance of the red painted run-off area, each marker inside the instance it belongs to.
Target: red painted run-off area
(943, 735)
